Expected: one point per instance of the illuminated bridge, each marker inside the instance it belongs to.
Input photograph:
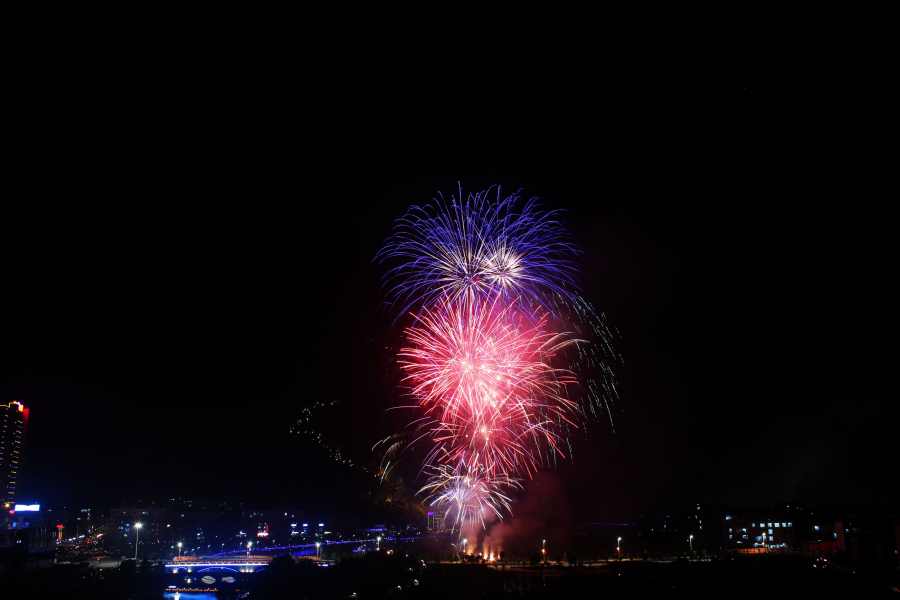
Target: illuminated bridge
(313, 549)
(236, 565)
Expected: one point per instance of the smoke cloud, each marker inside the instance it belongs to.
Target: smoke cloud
(542, 514)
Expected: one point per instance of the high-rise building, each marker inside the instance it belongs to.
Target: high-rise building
(12, 436)
(435, 521)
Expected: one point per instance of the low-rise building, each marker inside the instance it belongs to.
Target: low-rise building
(739, 533)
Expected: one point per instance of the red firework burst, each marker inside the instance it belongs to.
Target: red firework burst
(483, 373)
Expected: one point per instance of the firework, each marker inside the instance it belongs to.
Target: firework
(467, 493)
(501, 250)
(492, 351)
(482, 247)
(483, 374)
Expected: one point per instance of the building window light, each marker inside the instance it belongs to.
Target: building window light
(729, 537)
(776, 525)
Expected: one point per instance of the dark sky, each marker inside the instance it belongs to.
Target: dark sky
(193, 202)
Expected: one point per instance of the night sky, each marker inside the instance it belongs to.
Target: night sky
(193, 202)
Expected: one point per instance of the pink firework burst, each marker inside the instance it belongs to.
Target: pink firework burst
(484, 374)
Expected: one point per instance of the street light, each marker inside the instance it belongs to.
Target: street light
(137, 534)
(317, 549)
(179, 549)
(248, 548)
(544, 550)
(377, 543)
(691, 540)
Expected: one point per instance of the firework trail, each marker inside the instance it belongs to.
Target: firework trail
(491, 285)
